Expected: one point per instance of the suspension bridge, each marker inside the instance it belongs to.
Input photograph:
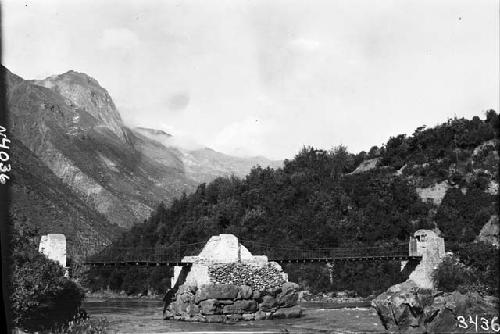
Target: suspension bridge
(173, 254)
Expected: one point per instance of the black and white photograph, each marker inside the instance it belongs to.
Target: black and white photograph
(250, 166)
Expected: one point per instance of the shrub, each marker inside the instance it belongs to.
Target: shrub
(451, 274)
(84, 326)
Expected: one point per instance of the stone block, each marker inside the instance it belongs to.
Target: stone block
(216, 291)
(287, 313)
(209, 306)
(240, 306)
(268, 304)
(248, 316)
(53, 246)
(260, 315)
(245, 292)
(273, 291)
(288, 300)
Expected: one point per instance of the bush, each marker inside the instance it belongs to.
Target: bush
(451, 274)
(85, 326)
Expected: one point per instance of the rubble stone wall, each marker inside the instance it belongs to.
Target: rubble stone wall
(229, 303)
(258, 277)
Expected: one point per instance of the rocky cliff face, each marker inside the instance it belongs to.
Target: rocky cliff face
(85, 93)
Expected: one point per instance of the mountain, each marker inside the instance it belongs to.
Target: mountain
(69, 126)
(203, 164)
(85, 93)
(443, 178)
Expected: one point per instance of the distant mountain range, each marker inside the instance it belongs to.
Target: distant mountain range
(79, 170)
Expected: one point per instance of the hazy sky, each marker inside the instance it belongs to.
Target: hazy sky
(267, 77)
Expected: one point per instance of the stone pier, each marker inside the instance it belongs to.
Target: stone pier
(53, 246)
(431, 247)
(226, 283)
(220, 249)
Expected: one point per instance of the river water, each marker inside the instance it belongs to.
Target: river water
(145, 316)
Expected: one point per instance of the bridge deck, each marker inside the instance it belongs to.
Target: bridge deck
(153, 263)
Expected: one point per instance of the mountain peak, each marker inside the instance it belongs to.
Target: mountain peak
(85, 92)
(151, 131)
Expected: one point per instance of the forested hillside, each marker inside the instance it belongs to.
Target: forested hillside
(443, 178)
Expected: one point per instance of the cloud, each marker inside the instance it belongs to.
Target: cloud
(119, 38)
(247, 136)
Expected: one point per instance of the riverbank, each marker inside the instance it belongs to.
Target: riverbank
(97, 296)
(304, 297)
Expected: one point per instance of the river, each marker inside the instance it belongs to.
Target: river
(145, 316)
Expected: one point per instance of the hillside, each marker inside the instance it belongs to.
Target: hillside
(43, 202)
(338, 199)
(69, 127)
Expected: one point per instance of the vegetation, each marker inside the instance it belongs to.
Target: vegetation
(84, 326)
(41, 298)
(473, 267)
(316, 201)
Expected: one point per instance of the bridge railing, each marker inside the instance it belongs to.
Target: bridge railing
(172, 253)
(176, 251)
(289, 253)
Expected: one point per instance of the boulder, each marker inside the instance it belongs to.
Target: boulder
(168, 315)
(178, 307)
(268, 304)
(260, 315)
(288, 296)
(407, 308)
(192, 309)
(287, 313)
(289, 287)
(241, 306)
(248, 316)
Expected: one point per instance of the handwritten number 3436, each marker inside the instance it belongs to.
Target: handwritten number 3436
(483, 323)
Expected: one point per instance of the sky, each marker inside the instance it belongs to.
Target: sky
(249, 77)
